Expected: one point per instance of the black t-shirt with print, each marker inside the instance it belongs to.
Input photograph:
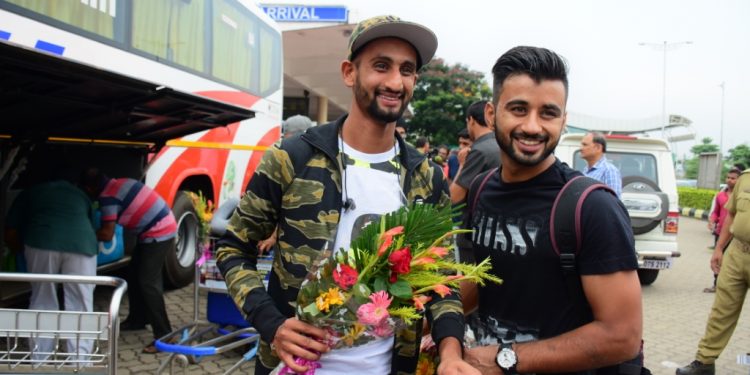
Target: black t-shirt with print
(511, 226)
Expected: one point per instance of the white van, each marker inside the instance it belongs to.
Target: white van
(649, 192)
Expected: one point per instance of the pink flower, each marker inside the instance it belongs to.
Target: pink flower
(442, 290)
(387, 238)
(311, 366)
(345, 276)
(420, 300)
(375, 312)
(383, 329)
(400, 263)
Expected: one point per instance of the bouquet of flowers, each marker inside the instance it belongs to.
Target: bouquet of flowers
(384, 279)
(204, 210)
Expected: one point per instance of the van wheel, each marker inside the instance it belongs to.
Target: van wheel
(647, 276)
(642, 185)
(179, 265)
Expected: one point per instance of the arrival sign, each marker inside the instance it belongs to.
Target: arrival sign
(303, 13)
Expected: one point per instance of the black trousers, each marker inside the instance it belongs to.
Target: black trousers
(146, 287)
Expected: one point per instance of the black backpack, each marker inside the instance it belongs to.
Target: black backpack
(565, 236)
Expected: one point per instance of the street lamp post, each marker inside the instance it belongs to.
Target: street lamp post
(664, 46)
(721, 123)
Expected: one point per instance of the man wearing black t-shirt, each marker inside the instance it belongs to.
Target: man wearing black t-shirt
(541, 323)
(483, 154)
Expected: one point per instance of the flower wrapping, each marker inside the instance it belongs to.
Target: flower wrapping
(386, 277)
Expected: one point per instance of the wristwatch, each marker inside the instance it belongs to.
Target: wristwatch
(506, 359)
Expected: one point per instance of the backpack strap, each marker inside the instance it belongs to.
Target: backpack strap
(480, 188)
(565, 219)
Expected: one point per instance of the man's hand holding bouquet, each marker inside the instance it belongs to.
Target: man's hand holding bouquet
(384, 280)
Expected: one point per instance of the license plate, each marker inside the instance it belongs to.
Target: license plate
(657, 264)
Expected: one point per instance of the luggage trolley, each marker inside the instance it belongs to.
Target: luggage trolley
(20, 327)
(213, 335)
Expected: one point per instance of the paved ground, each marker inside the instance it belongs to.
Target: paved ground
(675, 312)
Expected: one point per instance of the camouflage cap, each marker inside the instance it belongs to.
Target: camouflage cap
(422, 38)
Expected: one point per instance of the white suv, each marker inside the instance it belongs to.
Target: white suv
(649, 192)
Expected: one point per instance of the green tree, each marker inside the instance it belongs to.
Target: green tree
(691, 165)
(739, 154)
(442, 94)
(704, 146)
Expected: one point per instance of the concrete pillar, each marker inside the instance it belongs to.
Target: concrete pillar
(322, 110)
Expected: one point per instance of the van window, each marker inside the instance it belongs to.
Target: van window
(629, 163)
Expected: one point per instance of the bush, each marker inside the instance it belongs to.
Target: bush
(695, 198)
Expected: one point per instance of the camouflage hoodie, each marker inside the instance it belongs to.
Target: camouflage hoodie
(297, 185)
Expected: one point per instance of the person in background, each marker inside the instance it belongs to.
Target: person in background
(731, 261)
(464, 141)
(593, 147)
(140, 210)
(441, 159)
(52, 223)
(719, 214)
(443, 152)
(401, 128)
(483, 155)
(422, 144)
(544, 321)
(354, 170)
(294, 125)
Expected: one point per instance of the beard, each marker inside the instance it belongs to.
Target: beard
(520, 157)
(370, 104)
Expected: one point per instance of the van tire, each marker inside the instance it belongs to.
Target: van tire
(647, 276)
(641, 225)
(179, 265)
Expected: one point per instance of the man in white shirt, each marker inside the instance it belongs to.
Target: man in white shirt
(321, 189)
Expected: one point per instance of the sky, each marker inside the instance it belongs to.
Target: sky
(611, 75)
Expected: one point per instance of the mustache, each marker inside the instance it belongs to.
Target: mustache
(401, 94)
(530, 137)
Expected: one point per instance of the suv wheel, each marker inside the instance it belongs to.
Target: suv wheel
(647, 276)
(650, 191)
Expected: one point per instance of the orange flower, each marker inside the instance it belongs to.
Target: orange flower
(423, 260)
(442, 290)
(387, 238)
(393, 231)
(420, 300)
(425, 367)
(439, 252)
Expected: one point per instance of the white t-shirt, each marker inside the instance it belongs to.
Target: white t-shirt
(372, 181)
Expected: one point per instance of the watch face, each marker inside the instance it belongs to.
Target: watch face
(506, 358)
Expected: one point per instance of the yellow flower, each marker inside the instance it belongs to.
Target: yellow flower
(353, 333)
(335, 297)
(322, 303)
(330, 298)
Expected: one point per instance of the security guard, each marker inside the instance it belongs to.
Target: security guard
(733, 281)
